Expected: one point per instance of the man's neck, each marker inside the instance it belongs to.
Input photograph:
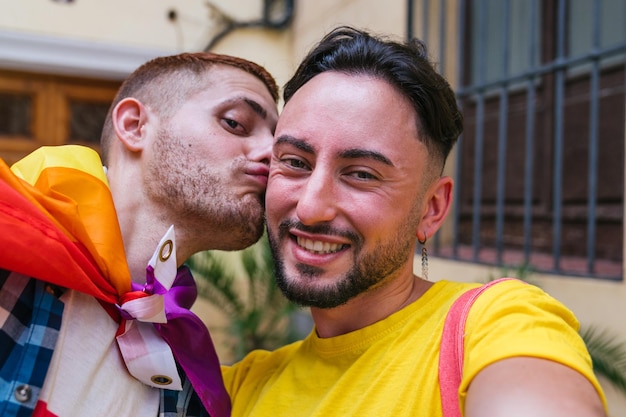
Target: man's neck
(369, 307)
(141, 225)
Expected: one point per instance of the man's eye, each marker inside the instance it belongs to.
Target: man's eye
(231, 123)
(294, 163)
(234, 126)
(363, 175)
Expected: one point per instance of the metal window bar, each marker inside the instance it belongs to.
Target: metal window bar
(529, 139)
(558, 68)
(502, 138)
(593, 140)
(558, 137)
(479, 135)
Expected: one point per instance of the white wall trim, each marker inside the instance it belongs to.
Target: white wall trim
(66, 56)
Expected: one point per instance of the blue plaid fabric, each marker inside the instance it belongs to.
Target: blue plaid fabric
(181, 403)
(30, 319)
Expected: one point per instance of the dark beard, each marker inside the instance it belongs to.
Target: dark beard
(370, 272)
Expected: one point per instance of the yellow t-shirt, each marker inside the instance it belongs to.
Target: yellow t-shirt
(390, 368)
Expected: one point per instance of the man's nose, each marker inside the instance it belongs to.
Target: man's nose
(260, 149)
(317, 201)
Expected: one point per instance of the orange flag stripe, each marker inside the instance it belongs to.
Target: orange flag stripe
(62, 211)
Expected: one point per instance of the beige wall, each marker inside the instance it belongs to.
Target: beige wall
(314, 18)
(109, 39)
(134, 23)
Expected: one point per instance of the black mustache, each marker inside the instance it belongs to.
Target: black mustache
(323, 228)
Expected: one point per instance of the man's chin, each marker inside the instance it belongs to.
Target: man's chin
(242, 239)
(253, 237)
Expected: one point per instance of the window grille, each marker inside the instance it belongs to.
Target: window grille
(539, 169)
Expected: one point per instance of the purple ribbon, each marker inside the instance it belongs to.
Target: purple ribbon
(189, 339)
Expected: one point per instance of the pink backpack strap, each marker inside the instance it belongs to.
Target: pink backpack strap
(452, 347)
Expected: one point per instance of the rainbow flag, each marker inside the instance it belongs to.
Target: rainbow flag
(57, 201)
(58, 218)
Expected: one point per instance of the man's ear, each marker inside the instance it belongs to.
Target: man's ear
(129, 118)
(436, 207)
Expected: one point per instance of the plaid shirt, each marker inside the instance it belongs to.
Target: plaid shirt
(30, 319)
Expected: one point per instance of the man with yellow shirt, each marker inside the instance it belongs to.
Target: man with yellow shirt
(94, 297)
(355, 179)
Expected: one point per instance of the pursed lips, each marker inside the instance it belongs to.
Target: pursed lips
(259, 172)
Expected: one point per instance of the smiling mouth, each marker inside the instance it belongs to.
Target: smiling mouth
(318, 247)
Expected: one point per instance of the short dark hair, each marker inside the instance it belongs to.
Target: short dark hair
(406, 66)
(165, 82)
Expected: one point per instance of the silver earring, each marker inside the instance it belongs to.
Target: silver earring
(424, 257)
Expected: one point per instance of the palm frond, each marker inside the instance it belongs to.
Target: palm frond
(214, 284)
(257, 311)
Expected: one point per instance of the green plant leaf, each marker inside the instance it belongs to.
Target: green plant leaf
(259, 317)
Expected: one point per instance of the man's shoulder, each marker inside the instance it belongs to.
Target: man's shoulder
(261, 362)
(487, 290)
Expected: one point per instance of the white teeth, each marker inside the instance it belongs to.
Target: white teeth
(318, 247)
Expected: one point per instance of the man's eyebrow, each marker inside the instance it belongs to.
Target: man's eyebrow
(354, 153)
(298, 143)
(365, 153)
(258, 109)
